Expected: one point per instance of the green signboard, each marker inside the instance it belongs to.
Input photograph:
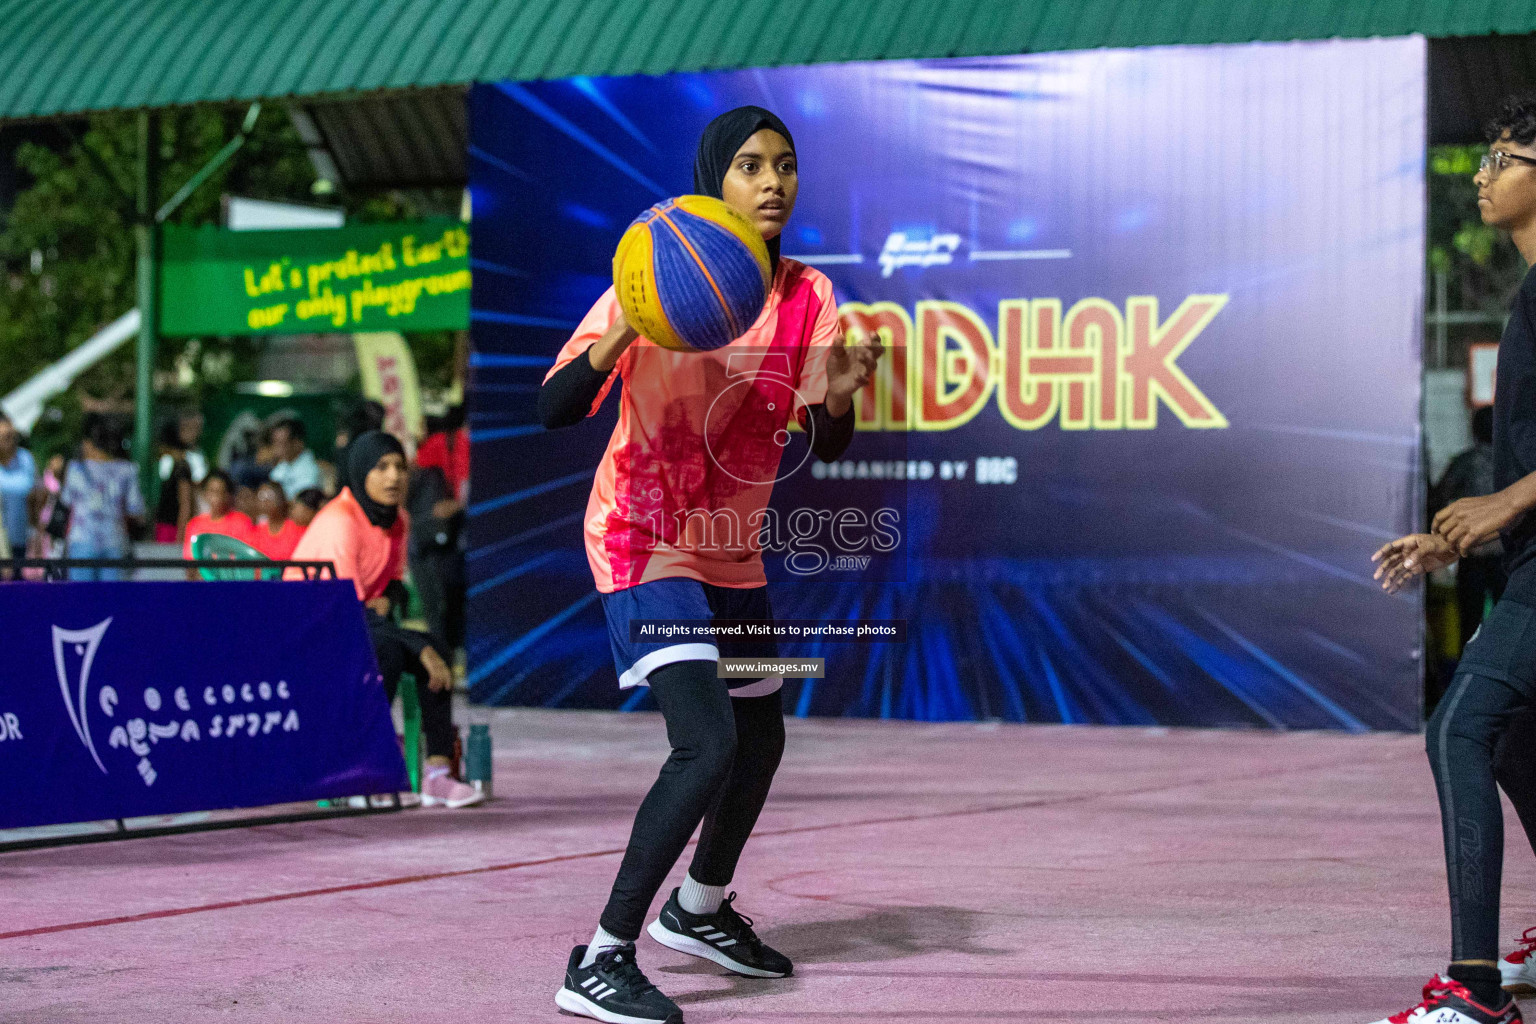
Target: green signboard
(402, 276)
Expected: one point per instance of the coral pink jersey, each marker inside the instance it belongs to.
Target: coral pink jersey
(692, 462)
(233, 523)
(276, 546)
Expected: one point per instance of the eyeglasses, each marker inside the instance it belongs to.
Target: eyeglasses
(1495, 160)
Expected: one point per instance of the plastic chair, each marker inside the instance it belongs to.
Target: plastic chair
(216, 545)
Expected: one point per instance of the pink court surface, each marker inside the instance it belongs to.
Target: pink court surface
(915, 873)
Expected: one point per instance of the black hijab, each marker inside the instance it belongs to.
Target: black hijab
(363, 454)
(718, 145)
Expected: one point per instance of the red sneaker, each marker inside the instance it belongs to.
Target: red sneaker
(1449, 1002)
(1519, 967)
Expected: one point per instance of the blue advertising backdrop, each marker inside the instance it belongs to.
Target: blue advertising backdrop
(125, 699)
(1158, 315)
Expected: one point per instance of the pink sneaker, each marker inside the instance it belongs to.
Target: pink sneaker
(443, 789)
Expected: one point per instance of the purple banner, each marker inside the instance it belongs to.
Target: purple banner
(126, 699)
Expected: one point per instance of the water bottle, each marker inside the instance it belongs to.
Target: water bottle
(478, 758)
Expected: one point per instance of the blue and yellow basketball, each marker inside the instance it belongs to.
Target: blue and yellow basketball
(691, 274)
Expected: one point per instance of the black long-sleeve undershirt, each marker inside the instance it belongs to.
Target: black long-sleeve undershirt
(567, 397)
(830, 435)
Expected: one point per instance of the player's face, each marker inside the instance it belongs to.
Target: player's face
(386, 480)
(763, 182)
(216, 494)
(269, 502)
(1506, 187)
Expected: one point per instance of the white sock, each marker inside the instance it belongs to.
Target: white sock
(601, 941)
(698, 898)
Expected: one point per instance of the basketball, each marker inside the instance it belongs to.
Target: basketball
(691, 274)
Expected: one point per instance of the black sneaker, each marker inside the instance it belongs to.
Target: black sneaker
(724, 937)
(614, 989)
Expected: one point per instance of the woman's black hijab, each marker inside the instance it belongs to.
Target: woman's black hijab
(363, 454)
(718, 145)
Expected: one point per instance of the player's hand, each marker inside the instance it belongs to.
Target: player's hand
(1407, 558)
(1471, 522)
(851, 367)
(379, 606)
(605, 351)
(439, 675)
(620, 328)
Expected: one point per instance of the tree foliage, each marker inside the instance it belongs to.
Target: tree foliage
(67, 258)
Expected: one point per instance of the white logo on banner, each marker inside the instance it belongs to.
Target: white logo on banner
(903, 250)
(138, 735)
(85, 641)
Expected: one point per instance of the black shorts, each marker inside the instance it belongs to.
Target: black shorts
(1504, 646)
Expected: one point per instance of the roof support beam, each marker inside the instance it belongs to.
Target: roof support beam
(208, 170)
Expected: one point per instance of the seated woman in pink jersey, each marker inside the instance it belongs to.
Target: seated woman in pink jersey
(275, 534)
(218, 492)
(700, 433)
(362, 531)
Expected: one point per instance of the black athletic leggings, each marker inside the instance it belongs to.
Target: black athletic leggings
(399, 651)
(724, 753)
(1482, 736)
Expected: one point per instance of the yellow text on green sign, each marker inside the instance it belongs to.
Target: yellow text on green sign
(401, 276)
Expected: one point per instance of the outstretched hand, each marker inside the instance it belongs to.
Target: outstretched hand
(1407, 558)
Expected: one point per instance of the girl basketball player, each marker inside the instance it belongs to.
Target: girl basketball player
(668, 531)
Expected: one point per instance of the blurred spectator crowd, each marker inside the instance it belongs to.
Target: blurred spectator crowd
(86, 502)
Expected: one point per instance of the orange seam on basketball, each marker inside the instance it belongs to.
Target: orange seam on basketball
(730, 317)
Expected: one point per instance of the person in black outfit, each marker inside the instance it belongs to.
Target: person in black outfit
(1480, 732)
(1479, 575)
(178, 503)
(437, 555)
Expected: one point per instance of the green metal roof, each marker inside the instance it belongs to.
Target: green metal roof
(69, 56)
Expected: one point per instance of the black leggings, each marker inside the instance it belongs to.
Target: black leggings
(1482, 736)
(397, 652)
(725, 751)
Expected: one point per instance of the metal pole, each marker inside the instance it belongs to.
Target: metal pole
(1442, 347)
(146, 237)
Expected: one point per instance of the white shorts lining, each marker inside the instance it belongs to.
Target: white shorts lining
(759, 688)
(639, 673)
